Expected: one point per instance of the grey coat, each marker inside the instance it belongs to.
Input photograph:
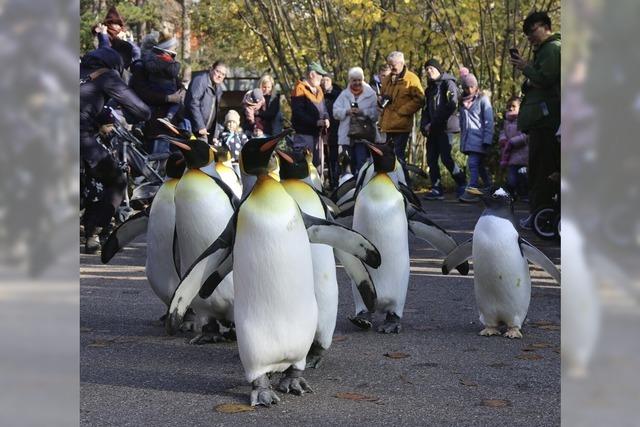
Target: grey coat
(476, 126)
(202, 101)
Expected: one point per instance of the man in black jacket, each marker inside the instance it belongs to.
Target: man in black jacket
(100, 77)
(441, 101)
(331, 92)
(202, 102)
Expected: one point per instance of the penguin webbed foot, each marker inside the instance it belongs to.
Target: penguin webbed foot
(489, 331)
(513, 332)
(188, 323)
(262, 393)
(362, 320)
(315, 355)
(210, 334)
(391, 324)
(293, 382)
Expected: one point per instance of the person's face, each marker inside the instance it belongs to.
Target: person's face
(325, 83)
(266, 88)
(314, 79)
(513, 107)
(395, 67)
(470, 90)
(355, 83)
(433, 73)
(384, 73)
(232, 125)
(218, 74)
(535, 34)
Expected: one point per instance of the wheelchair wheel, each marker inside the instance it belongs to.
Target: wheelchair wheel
(545, 223)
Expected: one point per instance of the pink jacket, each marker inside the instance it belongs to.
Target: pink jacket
(514, 145)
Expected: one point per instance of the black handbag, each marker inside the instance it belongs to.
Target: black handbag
(362, 127)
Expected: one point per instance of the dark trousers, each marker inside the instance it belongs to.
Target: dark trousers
(478, 169)
(439, 147)
(98, 213)
(334, 168)
(544, 159)
(400, 147)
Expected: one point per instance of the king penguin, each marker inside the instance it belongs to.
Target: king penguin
(383, 215)
(204, 205)
(294, 178)
(500, 271)
(267, 244)
(224, 169)
(158, 223)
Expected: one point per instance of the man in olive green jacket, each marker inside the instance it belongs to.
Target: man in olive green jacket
(540, 110)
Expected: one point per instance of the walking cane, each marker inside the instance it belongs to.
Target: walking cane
(321, 143)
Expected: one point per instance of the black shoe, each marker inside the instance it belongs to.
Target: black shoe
(92, 244)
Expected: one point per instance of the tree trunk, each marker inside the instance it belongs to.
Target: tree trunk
(186, 40)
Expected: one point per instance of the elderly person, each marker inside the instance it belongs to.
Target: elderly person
(202, 102)
(271, 115)
(331, 92)
(357, 100)
(402, 97)
(309, 115)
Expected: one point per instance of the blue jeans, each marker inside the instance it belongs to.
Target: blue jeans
(477, 169)
(359, 156)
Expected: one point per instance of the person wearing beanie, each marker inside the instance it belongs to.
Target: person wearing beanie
(441, 102)
(252, 104)
(476, 136)
(232, 136)
(111, 33)
(463, 71)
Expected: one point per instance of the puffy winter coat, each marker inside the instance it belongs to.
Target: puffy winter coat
(367, 103)
(407, 97)
(514, 144)
(476, 125)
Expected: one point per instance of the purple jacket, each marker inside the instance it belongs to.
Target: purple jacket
(513, 143)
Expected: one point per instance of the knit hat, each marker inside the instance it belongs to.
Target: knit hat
(463, 71)
(257, 95)
(469, 80)
(167, 41)
(232, 116)
(113, 17)
(435, 64)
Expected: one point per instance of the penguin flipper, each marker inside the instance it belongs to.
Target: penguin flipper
(458, 256)
(218, 275)
(534, 255)
(432, 233)
(123, 234)
(343, 189)
(340, 237)
(346, 209)
(206, 265)
(408, 194)
(233, 199)
(328, 204)
(356, 270)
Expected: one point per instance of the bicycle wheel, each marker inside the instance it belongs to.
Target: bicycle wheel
(544, 223)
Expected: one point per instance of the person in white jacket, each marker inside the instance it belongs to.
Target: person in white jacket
(358, 99)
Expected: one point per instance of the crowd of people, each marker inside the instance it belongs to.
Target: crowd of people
(144, 82)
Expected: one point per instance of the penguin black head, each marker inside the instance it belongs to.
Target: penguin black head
(384, 158)
(299, 168)
(255, 158)
(222, 153)
(197, 153)
(498, 200)
(176, 165)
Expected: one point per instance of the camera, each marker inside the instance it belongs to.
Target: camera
(354, 105)
(385, 101)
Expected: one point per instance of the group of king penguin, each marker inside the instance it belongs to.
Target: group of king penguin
(253, 257)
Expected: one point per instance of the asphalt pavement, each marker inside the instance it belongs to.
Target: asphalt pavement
(437, 371)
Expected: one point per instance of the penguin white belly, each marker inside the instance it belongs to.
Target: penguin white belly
(229, 177)
(501, 274)
(160, 267)
(202, 212)
(324, 264)
(275, 307)
(379, 215)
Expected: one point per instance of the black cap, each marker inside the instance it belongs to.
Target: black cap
(435, 64)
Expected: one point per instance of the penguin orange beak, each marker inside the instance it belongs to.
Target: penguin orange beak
(268, 146)
(179, 144)
(375, 149)
(285, 156)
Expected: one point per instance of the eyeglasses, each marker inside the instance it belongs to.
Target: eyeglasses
(532, 30)
(219, 73)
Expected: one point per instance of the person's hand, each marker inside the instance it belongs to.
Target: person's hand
(354, 111)
(203, 132)
(100, 28)
(176, 97)
(518, 63)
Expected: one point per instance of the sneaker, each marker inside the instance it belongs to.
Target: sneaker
(460, 190)
(527, 223)
(471, 195)
(434, 194)
(92, 244)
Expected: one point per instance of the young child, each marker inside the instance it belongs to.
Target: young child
(162, 70)
(252, 103)
(233, 137)
(514, 147)
(476, 136)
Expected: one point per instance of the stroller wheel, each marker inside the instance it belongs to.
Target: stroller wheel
(545, 223)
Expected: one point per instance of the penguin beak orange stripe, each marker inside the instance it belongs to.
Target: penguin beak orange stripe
(375, 149)
(285, 156)
(268, 145)
(181, 145)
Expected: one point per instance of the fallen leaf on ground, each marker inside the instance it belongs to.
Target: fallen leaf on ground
(495, 403)
(468, 383)
(86, 329)
(549, 327)
(100, 343)
(540, 345)
(356, 396)
(339, 338)
(396, 355)
(529, 356)
(233, 408)
(499, 365)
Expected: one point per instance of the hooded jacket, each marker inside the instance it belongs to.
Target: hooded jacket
(306, 108)
(540, 106)
(476, 125)
(441, 101)
(407, 97)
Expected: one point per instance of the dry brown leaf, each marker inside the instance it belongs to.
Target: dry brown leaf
(468, 383)
(495, 403)
(356, 396)
(529, 356)
(86, 329)
(339, 338)
(549, 327)
(396, 355)
(540, 345)
(233, 408)
(100, 343)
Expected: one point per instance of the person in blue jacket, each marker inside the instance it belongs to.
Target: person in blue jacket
(202, 102)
